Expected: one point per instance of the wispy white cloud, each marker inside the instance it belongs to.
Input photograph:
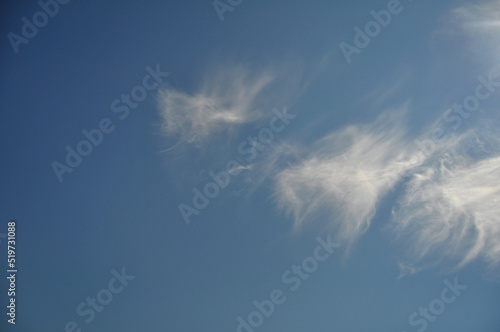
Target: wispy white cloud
(346, 173)
(227, 98)
(477, 18)
(450, 209)
(473, 28)
(449, 212)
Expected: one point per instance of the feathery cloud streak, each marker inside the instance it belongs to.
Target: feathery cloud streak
(450, 208)
(346, 175)
(225, 99)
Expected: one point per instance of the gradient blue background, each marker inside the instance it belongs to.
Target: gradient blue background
(119, 207)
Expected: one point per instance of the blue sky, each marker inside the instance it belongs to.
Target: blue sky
(390, 151)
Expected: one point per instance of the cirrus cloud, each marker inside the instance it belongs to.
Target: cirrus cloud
(345, 175)
(226, 98)
(450, 209)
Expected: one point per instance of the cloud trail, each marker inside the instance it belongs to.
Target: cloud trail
(226, 98)
(346, 174)
(450, 209)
